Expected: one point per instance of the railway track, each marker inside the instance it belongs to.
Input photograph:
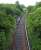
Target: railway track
(20, 35)
(21, 41)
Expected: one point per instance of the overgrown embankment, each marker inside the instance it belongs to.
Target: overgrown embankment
(34, 27)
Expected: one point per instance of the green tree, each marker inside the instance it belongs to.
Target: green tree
(7, 22)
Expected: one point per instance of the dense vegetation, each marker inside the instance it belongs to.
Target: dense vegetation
(34, 25)
(7, 22)
(8, 14)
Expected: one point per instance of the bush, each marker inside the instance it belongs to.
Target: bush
(34, 28)
(7, 25)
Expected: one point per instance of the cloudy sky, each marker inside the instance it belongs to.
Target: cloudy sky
(25, 2)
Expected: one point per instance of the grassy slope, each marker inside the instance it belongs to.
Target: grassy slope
(32, 22)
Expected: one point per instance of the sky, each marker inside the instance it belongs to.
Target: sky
(25, 2)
